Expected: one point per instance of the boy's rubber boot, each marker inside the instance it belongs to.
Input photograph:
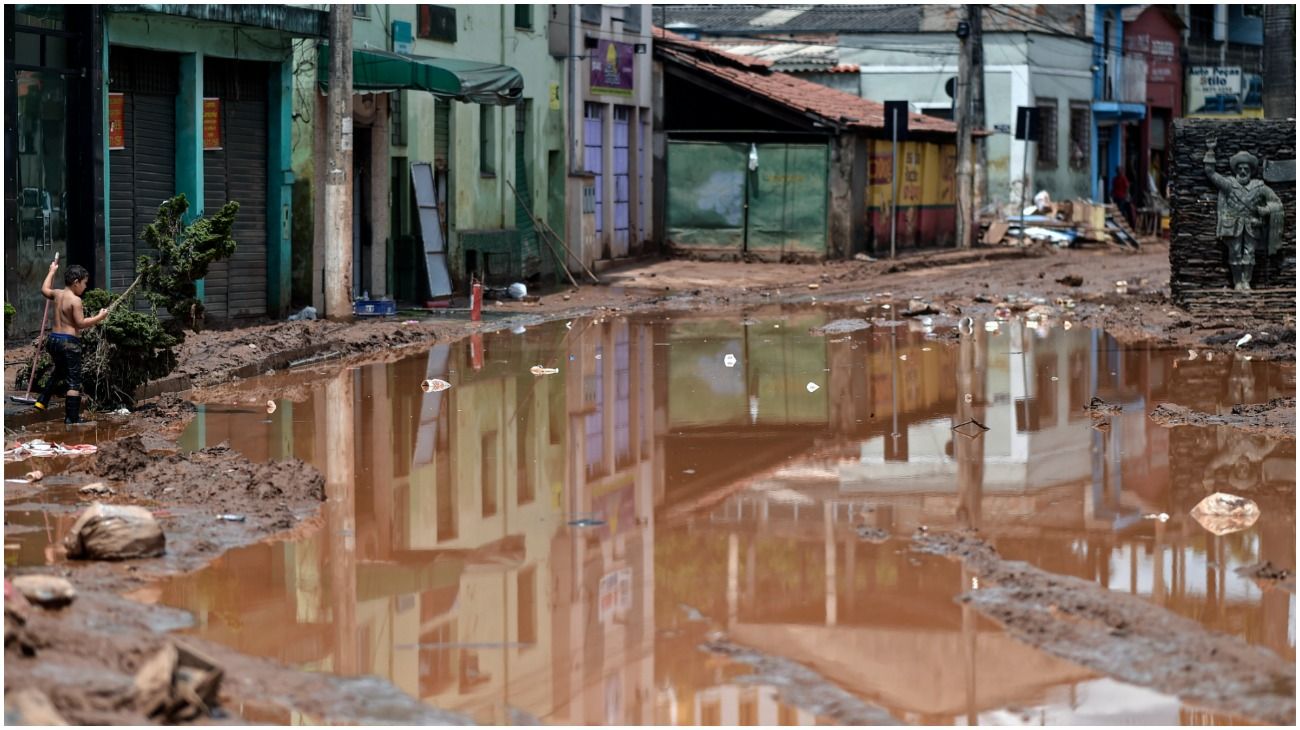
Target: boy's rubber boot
(72, 412)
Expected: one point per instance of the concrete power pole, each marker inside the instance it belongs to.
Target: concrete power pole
(338, 173)
(962, 115)
(1279, 61)
(977, 109)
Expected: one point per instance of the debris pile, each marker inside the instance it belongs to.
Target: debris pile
(1068, 224)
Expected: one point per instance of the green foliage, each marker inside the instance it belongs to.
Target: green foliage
(184, 254)
(9, 314)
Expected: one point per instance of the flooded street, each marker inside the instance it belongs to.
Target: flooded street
(559, 546)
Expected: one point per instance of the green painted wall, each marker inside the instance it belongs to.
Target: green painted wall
(194, 40)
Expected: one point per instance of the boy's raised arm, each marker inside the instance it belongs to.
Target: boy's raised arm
(47, 288)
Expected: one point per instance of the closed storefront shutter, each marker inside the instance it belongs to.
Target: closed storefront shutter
(237, 287)
(143, 174)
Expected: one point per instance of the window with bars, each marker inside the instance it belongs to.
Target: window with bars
(396, 125)
(487, 152)
(1080, 135)
(524, 17)
(1047, 154)
(436, 23)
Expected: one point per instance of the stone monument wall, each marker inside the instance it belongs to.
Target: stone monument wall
(1200, 279)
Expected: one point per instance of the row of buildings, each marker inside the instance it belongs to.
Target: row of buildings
(1108, 79)
(508, 141)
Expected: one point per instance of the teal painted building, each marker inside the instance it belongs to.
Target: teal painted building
(119, 107)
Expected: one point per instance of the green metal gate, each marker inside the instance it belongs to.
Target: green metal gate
(717, 205)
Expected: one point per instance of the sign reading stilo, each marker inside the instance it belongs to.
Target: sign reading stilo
(211, 123)
(1223, 92)
(611, 68)
(116, 121)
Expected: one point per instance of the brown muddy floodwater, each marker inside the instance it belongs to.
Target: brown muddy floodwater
(561, 545)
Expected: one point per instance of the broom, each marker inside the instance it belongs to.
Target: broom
(27, 399)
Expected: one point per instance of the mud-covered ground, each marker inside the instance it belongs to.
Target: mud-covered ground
(84, 657)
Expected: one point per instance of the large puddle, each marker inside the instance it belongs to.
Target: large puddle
(560, 545)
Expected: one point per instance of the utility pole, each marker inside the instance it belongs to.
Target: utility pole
(338, 173)
(962, 115)
(1279, 61)
(977, 109)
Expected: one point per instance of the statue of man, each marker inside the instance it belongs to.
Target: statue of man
(1249, 211)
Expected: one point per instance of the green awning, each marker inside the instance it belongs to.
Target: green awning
(469, 81)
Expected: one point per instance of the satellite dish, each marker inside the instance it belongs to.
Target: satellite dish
(950, 86)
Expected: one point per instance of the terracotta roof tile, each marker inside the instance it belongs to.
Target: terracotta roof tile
(752, 74)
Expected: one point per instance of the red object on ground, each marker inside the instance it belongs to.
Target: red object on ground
(476, 302)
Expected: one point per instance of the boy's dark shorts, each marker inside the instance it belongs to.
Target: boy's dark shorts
(65, 350)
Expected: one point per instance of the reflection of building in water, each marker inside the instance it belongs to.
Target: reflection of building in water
(449, 562)
(1041, 482)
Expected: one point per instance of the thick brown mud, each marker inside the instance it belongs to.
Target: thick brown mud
(1122, 636)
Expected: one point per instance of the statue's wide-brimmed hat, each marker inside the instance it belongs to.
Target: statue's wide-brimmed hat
(1245, 158)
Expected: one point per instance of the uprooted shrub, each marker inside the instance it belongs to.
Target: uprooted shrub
(132, 348)
(184, 254)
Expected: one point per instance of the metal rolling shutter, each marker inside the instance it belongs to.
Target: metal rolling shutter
(216, 283)
(143, 175)
(237, 287)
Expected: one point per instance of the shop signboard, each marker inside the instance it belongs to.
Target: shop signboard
(611, 67)
(1224, 91)
(116, 121)
(211, 123)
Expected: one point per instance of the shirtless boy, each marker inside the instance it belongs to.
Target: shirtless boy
(63, 343)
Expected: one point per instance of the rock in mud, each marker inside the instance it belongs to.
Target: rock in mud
(46, 591)
(1071, 280)
(96, 489)
(177, 683)
(115, 532)
(30, 707)
(1222, 513)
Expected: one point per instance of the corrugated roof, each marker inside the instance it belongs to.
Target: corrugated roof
(770, 19)
(835, 107)
(791, 57)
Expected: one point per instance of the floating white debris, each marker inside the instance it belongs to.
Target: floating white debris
(568, 325)
(1163, 517)
(902, 357)
(539, 370)
(813, 387)
(729, 360)
(990, 326)
(270, 406)
(1054, 378)
(434, 385)
(1244, 339)
(1192, 354)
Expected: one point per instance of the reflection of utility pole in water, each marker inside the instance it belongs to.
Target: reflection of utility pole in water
(340, 519)
(832, 597)
(969, 452)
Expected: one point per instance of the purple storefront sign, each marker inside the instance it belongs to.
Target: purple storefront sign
(611, 68)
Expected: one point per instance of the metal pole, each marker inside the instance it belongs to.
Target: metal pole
(893, 200)
(1024, 173)
(338, 173)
